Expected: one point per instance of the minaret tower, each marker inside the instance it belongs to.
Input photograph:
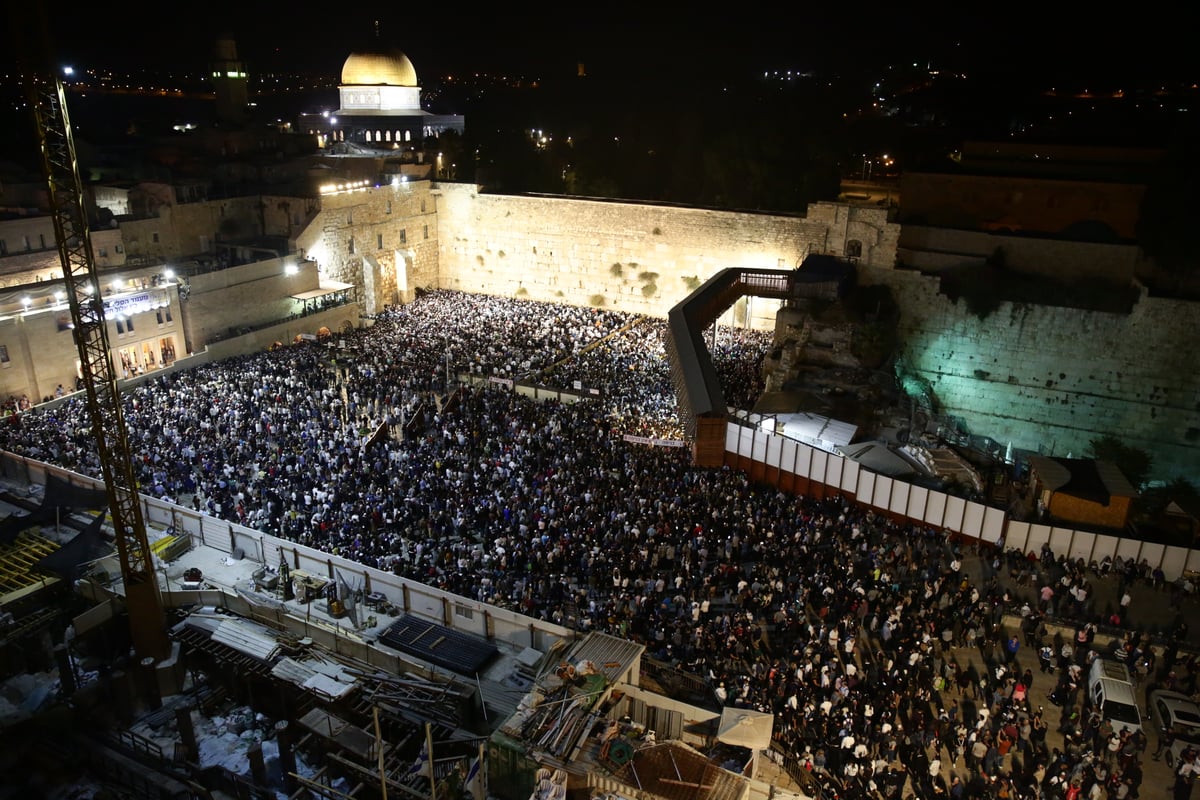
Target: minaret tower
(230, 80)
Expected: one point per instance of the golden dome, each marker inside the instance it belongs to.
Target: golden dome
(390, 68)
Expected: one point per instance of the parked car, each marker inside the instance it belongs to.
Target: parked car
(1174, 709)
(1110, 692)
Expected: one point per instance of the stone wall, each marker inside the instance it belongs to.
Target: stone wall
(628, 257)
(39, 350)
(383, 240)
(933, 249)
(246, 295)
(1000, 202)
(1051, 379)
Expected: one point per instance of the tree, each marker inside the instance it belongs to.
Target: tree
(1133, 463)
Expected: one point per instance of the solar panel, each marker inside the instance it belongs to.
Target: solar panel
(459, 652)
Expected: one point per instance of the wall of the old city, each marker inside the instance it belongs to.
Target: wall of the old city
(383, 240)
(996, 202)
(245, 296)
(932, 249)
(630, 257)
(1053, 379)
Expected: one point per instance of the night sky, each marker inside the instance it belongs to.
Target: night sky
(626, 40)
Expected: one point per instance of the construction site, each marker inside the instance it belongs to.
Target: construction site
(280, 678)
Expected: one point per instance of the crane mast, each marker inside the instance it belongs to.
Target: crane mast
(143, 602)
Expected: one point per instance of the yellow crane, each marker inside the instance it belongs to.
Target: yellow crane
(61, 169)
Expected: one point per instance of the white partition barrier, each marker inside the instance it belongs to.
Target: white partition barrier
(1173, 561)
(972, 523)
(820, 461)
(900, 500)
(1060, 539)
(1106, 546)
(1153, 553)
(833, 470)
(883, 492)
(866, 486)
(1039, 536)
(851, 470)
(956, 507)
(804, 456)
(1129, 548)
(733, 435)
(758, 449)
(774, 457)
(993, 525)
(918, 498)
(1082, 545)
(787, 454)
(1018, 536)
(935, 509)
(746, 442)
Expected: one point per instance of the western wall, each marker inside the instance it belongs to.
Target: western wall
(1042, 378)
(1051, 379)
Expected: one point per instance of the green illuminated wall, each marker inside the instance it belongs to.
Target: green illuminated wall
(1052, 379)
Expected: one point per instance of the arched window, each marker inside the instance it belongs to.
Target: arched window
(387, 136)
(853, 248)
(367, 135)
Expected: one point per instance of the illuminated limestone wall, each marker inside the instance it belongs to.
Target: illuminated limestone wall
(628, 257)
(244, 296)
(383, 240)
(1052, 379)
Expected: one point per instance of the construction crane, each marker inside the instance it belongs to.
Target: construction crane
(61, 169)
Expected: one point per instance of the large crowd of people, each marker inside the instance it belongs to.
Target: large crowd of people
(886, 666)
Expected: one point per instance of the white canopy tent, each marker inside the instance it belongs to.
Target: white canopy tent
(744, 727)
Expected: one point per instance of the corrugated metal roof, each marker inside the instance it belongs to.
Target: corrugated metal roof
(612, 656)
(1073, 474)
(674, 771)
(247, 638)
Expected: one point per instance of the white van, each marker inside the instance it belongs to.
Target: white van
(1108, 668)
(1110, 691)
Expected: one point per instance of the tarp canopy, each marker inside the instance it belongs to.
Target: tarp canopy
(744, 727)
(12, 525)
(88, 545)
(62, 493)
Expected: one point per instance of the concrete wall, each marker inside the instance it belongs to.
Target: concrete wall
(629, 257)
(1052, 379)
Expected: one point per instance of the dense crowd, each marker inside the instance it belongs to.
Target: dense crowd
(854, 631)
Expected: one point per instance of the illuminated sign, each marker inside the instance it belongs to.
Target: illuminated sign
(132, 304)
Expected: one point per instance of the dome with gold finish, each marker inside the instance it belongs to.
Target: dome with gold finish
(379, 68)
